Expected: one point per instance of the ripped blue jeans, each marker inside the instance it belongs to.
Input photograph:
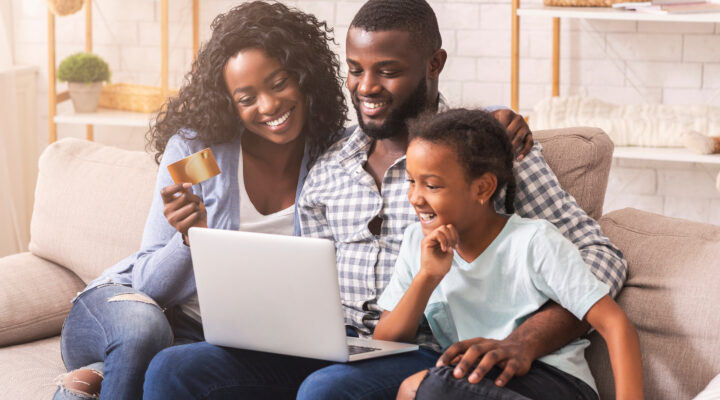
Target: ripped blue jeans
(116, 330)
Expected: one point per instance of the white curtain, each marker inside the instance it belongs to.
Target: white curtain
(15, 201)
(14, 210)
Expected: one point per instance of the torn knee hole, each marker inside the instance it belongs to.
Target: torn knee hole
(83, 382)
(133, 297)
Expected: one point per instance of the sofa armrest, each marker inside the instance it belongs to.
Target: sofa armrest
(35, 297)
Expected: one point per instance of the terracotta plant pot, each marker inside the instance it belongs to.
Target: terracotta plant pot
(85, 96)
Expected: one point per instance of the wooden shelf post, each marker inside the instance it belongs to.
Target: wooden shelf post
(556, 58)
(107, 117)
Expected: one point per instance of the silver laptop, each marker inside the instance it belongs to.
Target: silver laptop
(277, 294)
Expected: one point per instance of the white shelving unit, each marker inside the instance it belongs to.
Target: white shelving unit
(104, 116)
(606, 13)
(613, 13)
(664, 154)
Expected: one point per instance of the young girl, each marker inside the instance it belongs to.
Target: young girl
(265, 94)
(475, 273)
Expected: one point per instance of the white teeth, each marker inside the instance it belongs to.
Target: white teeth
(280, 120)
(427, 216)
(373, 106)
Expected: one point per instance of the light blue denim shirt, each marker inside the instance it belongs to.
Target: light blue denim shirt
(162, 268)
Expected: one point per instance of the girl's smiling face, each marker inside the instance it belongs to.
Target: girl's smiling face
(439, 189)
(267, 97)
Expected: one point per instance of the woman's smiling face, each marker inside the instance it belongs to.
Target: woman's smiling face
(267, 97)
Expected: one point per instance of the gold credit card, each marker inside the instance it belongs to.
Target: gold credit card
(194, 168)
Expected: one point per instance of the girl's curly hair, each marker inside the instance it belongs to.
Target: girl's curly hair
(479, 142)
(298, 40)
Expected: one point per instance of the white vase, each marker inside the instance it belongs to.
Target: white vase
(85, 96)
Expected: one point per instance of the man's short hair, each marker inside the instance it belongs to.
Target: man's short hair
(414, 16)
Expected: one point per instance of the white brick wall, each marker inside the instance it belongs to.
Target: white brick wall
(672, 63)
(702, 48)
(681, 190)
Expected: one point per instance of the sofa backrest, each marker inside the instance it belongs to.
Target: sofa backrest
(671, 295)
(91, 202)
(581, 159)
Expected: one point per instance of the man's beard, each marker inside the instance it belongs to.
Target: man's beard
(396, 122)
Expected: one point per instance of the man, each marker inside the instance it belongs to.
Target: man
(356, 195)
(394, 61)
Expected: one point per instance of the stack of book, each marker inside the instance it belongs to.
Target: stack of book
(672, 6)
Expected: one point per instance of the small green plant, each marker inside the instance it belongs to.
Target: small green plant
(83, 67)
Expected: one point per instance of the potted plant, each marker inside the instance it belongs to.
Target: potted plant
(84, 73)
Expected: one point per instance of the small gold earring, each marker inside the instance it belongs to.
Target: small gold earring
(482, 202)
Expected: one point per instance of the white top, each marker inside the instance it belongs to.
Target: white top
(279, 223)
(527, 264)
(251, 220)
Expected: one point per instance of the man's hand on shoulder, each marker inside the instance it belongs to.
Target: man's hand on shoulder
(479, 355)
(518, 131)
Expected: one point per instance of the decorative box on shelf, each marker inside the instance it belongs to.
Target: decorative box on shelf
(585, 3)
(132, 97)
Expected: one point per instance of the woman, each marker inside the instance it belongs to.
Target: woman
(265, 95)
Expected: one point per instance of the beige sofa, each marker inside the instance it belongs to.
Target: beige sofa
(91, 203)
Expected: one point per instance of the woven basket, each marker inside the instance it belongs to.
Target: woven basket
(131, 97)
(585, 3)
(62, 8)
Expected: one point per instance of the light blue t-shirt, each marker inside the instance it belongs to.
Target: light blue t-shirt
(528, 263)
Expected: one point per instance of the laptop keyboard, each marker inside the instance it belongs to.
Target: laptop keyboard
(360, 349)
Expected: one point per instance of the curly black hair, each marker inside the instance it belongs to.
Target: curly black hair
(298, 40)
(414, 16)
(479, 141)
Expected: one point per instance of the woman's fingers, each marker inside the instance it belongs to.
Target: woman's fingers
(176, 217)
(176, 197)
(189, 221)
(169, 193)
(191, 197)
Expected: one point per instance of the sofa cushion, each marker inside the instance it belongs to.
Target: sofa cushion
(91, 202)
(671, 296)
(35, 297)
(28, 371)
(580, 158)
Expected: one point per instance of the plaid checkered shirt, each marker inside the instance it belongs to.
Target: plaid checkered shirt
(340, 198)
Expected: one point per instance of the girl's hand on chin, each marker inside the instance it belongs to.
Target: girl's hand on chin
(437, 251)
